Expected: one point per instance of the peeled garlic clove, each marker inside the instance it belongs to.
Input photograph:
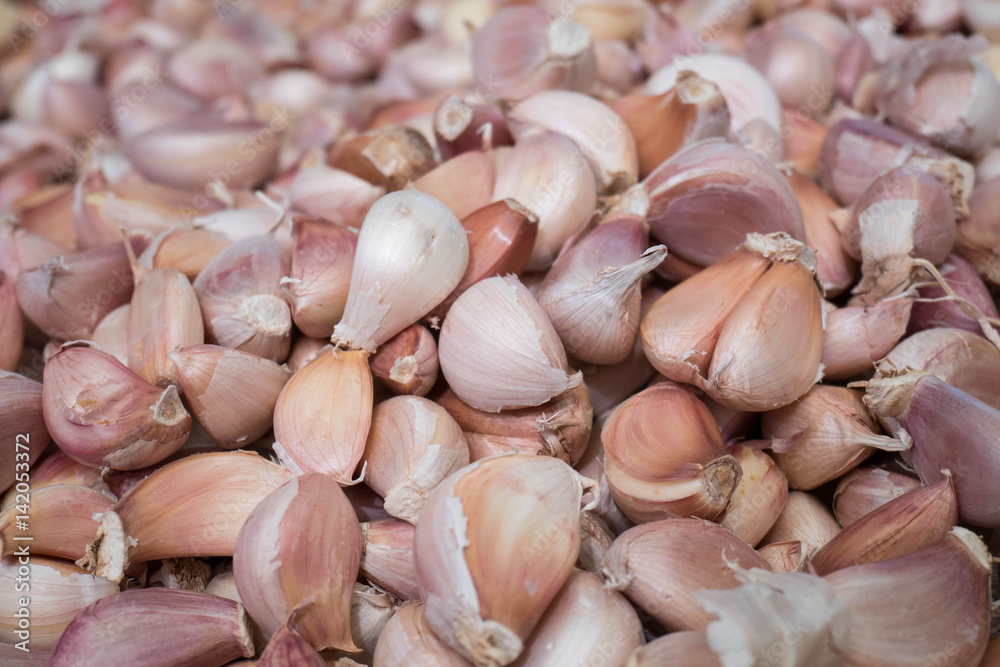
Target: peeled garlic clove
(311, 435)
(187, 250)
(412, 252)
(408, 362)
(59, 591)
(67, 296)
(305, 580)
(856, 337)
(412, 445)
(591, 294)
(663, 456)
(192, 507)
(712, 186)
(111, 333)
(760, 495)
(692, 110)
(660, 565)
(104, 415)
(495, 543)
(214, 380)
(214, 630)
(388, 158)
(387, 557)
(676, 648)
(463, 183)
(933, 416)
(320, 274)
(332, 194)
(916, 520)
(524, 50)
(62, 523)
(527, 365)
(803, 519)
(949, 580)
(288, 648)
(864, 490)
(407, 640)
(584, 620)
(12, 327)
(784, 556)
(559, 427)
(241, 300)
(963, 280)
(22, 424)
(823, 435)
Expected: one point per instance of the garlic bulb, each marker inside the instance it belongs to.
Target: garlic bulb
(213, 379)
(805, 520)
(527, 364)
(591, 294)
(413, 444)
(408, 362)
(663, 456)
(62, 521)
(760, 495)
(407, 640)
(21, 421)
(305, 581)
(311, 437)
(487, 573)
(863, 490)
(387, 557)
(104, 415)
(856, 337)
(411, 254)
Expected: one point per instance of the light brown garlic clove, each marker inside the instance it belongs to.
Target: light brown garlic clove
(214, 380)
(11, 325)
(287, 648)
(606, 19)
(241, 299)
(528, 364)
(214, 630)
(785, 556)
(62, 521)
(495, 543)
(308, 582)
(407, 640)
(338, 196)
(803, 519)
(759, 496)
(933, 416)
(591, 294)
(856, 337)
(663, 457)
(320, 274)
(676, 648)
(59, 591)
(823, 435)
(949, 580)
(387, 557)
(22, 425)
(660, 565)
(187, 250)
(864, 490)
(916, 520)
(463, 183)
(388, 158)
(685, 202)
(104, 415)
(310, 436)
(412, 252)
(408, 362)
(524, 50)
(111, 333)
(539, 159)
(413, 444)
(192, 507)
(585, 619)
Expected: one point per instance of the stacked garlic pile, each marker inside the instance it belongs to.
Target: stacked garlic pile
(480, 332)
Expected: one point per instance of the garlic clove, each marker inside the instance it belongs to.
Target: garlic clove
(307, 583)
(759, 496)
(104, 415)
(412, 252)
(387, 557)
(62, 523)
(785, 556)
(59, 592)
(241, 298)
(111, 333)
(607, 19)
(799, 69)
(856, 337)
(338, 196)
(528, 364)
(21, 250)
(305, 350)
(964, 282)
(664, 457)
(803, 519)
(413, 444)
(495, 543)
(407, 640)
(388, 158)
(676, 648)
(864, 490)
(59, 469)
(214, 630)
(610, 384)
(311, 436)
(193, 507)
(591, 465)
(48, 211)
(468, 124)
(802, 141)
(288, 648)
(371, 609)
(591, 294)
(595, 540)
(187, 250)
(660, 565)
(463, 183)
(408, 362)
(916, 520)
(213, 379)
(584, 620)
(560, 427)
(979, 235)
(11, 325)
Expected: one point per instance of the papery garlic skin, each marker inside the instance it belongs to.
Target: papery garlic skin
(411, 253)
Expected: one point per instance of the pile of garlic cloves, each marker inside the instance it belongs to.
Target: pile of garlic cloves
(543, 333)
